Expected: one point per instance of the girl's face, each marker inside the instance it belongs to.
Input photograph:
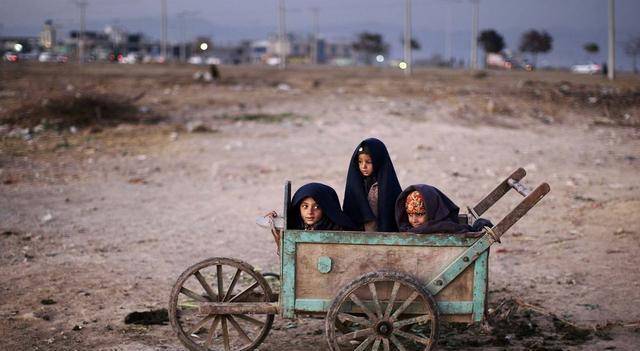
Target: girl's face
(310, 211)
(417, 219)
(365, 164)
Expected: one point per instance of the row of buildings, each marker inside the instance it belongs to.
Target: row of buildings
(114, 42)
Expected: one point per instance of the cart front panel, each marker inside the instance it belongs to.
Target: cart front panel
(316, 265)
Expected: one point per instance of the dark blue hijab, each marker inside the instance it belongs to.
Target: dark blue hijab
(356, 203)
(332, 216)
(442, 213)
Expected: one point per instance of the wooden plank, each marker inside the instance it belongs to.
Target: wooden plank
(461, 263)
(480, 281)
(374, 238)
(239, 308)
(351, 261)
(288, 276)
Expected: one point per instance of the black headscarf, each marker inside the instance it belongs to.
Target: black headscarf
(332, 216)
(442, 213)
(356, 203)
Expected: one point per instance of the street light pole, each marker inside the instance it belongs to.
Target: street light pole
(611, 65)
(474, 34)
(164, 30)
(407, 38)
(314, 47)
(82, 5)
(282, 33)
(183, 44)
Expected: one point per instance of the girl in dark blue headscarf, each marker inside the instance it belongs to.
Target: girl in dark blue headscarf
(372, 188)
(423, 209)
(316, 206)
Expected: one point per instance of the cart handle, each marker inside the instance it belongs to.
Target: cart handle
(512, 181)
(530, 200)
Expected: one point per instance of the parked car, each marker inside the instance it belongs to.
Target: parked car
(11, 57)
(590, 68)
(196, 60)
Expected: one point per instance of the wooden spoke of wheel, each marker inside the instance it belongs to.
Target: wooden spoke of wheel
(356, 334)
(212, 330)
(232, 285)
(220, 287)
(225, 334)
(392, 299)
(406, 304)
(239, 329)
(376, 345)
(365, 343)
(354, 319)
(250, 320)
(397, 343)
(421, 319)
(410, 336)
(374, 294)
(385, 344)
(218, 331)
(200, 324)
(364, 308)
(206, 286)
(194, 295)
(244, 292)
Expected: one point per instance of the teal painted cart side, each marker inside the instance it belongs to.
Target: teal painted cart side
(290, 305)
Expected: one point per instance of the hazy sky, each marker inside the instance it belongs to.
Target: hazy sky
(569, 21)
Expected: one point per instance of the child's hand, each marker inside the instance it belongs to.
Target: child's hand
(272, 214)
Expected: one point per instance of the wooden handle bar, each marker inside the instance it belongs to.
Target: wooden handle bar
(498, 192)
(520, 210)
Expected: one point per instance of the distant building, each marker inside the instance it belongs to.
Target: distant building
(48, 39)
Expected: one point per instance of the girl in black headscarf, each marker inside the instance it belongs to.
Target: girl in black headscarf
(372, 188)
(316, 206)
(423, 209)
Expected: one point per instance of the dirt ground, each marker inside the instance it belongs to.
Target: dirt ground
(99, 220)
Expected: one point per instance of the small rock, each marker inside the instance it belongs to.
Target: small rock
(284, 87)
(48, 302)
(173, 136)
(46, 218)
(76, 327)
(160, 316)
(198, 127)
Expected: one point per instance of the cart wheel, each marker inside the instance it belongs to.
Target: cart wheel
(219, 279)
(382, 309)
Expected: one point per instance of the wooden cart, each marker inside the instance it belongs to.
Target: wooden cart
(375, 290)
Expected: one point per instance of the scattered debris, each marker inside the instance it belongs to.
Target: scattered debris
(284, 87)
(160, 316)
(46, 218)
(198, 127)
(137, 180)
(515, 324)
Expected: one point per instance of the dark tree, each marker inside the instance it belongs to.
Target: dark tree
(415, 45)
(491, 41)
(632, 48)
(370, 44)
(591, 48)
(535, 43)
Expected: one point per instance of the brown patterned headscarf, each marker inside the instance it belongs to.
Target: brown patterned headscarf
(415, 203)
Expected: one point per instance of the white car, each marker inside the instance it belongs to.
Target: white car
(591, 68)
(196, 60)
